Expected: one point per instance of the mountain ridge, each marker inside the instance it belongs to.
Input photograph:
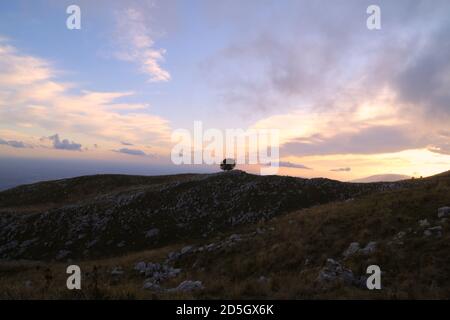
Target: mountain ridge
(317, 249)
(89, 216)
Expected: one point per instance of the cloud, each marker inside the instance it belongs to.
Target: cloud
(126, 143)
(36, 98)
(341, 170)
(20, 70)
(371, 140)
(307, 57)
(65, 144)
(138, 45)
(441, 144)
(442, 149)
(423, 80)
(287, 164)
(390, 89)
(13, 143)
(133, 152)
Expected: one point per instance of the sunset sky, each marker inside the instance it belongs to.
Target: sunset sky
(349, 102)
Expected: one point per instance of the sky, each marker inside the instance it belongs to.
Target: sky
(348, 102)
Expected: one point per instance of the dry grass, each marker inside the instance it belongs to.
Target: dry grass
(289, 254)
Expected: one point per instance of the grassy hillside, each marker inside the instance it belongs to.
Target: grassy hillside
(100, 216)
(278, 258)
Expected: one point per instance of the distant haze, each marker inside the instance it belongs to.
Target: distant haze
(383, 178)
(18, 171)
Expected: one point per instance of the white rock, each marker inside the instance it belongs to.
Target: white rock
(188, 285)
(62, 254)
(140, 266)
(173, 255)
(352, 249)
(152, 268)
(148, 285)
(152, 233)
(400, 235)
(424, 223)
(369, 248)
(173, 272)
(435, 231)
(234, 237)
(334, 271)
(91, 243)
(444, 212)
(117, 271)
(186, 249)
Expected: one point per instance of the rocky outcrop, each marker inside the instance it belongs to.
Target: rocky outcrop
(187, 286)
(355, 248)
(333, 272)
(444, 212)
(151, 211)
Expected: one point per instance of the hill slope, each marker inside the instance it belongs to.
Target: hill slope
(319, 250)
(96, 216)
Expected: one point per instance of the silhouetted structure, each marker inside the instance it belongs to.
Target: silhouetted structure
(228, 164)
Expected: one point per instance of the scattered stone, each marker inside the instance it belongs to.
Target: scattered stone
(444, 212)
(352, 249)
(187, 286)
(435, 231)
(152, 233)
(62, 254)
(400, 235)
(369, 248)
(234, 237)
(398, 238)
(186, 249)
(117, 271)
(152, 268)
(140, 266)
(334, 271)
(260, 231)
(151, 286)
(172, 256)
(27, 243)
(91, 244)
(155, 272)
(263, 279)
(9, 246)
(173, 272)
(424, 223)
